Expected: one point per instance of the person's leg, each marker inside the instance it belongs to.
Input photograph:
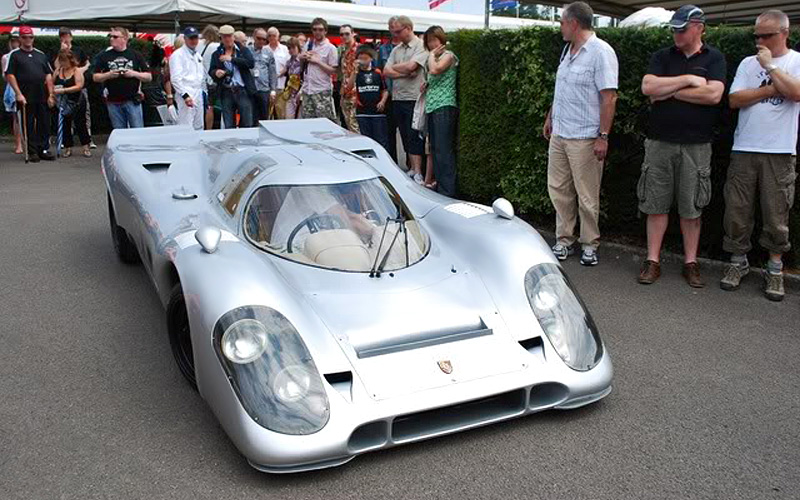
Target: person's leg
(116, 115)
(308, 105)
(260, 106)
(81, 127)
(67, 141)
(561, 188)
(17, 134)
(777, 186)
(244, 102)
(209, 113)
(43, 119)
(348, 105)
(391, 133)
(404, 113)
(365, 126)
(694, 194)
(443, 149)
(655, 191)
(228, 109)
(292, 107)
(587, 172)
(741, 186)
(327, 109)
(185, 114)
(135, 114)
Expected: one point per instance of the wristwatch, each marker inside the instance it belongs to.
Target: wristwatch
(770, 68)
(603, 135)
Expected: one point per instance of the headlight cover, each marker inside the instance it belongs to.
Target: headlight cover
(563, 317)
(279, 387)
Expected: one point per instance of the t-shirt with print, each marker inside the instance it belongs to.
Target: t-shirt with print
(123, 88)
(407, 89)
(770, 125)
(369, 87)
(30, 68)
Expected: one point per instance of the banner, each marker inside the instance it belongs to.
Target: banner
(21, 5)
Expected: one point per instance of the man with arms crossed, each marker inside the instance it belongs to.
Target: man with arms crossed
(766, 90)
(685, 84)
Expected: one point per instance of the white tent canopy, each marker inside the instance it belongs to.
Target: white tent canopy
(163, 14)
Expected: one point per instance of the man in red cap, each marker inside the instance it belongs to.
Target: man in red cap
(30, 75)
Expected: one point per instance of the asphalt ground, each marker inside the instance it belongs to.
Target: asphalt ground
(706, 401)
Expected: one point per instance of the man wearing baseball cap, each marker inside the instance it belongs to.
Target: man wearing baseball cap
(9, 98)
(30, 75)
(685, 83)
(188, 79)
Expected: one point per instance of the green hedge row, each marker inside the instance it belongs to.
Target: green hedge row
(506, 84)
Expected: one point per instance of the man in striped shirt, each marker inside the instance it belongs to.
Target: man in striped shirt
(577, 127)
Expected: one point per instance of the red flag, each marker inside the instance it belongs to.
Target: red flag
(432, 4)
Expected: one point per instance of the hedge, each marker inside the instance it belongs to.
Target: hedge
(506, 83)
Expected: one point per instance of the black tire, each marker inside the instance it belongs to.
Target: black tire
(123, 245)
(180, 338)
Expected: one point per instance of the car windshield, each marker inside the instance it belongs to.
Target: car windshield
(354, 226)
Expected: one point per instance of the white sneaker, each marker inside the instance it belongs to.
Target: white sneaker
(410, 172)
(419, 179)
(92, 145)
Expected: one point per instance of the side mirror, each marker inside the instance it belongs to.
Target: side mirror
(208, 237)
(503, 208)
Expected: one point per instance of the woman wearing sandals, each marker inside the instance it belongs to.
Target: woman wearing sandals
(441, 110)
(68, 85)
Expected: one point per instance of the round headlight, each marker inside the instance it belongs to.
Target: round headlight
(292, 383)
(244, 341)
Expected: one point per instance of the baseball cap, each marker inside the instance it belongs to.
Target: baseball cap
(685, 15)
(227, 30)
(190, 32)
(25, 30)
(14, 34)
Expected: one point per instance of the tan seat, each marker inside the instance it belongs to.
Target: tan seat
(338, 249)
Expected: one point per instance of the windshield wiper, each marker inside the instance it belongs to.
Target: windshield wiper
(375, 272)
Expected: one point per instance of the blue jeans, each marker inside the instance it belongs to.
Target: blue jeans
(376, 127)
(442, 134)
(126, 114)
(233, 99)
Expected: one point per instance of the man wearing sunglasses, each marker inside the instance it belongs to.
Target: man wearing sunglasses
(766, 91)
(30, 75)
(685, 84)
(122, 70)
(265, 73)
(321, 60)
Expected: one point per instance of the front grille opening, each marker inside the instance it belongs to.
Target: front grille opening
(342, 382)
(449, 418)
(547, 395)
(365, 153)
(369, 436)
(156, 167)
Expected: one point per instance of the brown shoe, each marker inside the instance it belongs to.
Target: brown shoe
(691, 271)
(651, 271)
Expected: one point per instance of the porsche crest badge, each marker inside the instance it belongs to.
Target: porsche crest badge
(446, 366)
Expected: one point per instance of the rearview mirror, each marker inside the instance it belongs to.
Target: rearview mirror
(503, 208)
(208, 237)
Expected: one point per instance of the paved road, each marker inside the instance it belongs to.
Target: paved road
(706, 401)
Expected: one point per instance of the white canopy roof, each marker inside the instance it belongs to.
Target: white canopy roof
(162, 14)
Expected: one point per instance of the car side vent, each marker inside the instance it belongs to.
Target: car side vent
(156, 167)
(342, 382)
(534, 346)
(365, 153)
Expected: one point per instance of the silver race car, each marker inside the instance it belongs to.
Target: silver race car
(325, 305)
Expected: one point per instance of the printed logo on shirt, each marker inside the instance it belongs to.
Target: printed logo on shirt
(120, 63)
(776, 100)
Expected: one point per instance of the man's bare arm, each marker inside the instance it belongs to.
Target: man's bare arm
(748, 97)
(659, 86)
(706, 95)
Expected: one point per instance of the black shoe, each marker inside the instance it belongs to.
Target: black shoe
(44, 155)
(33, 159)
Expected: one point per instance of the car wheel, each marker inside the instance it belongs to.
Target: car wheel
(180, 338)
(123, 245)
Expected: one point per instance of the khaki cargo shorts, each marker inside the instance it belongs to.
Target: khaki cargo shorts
(679, 173)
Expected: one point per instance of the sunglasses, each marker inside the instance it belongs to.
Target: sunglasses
(765, 36)
(261, 38)
(26, 37)
(114, 36)
(397, 32)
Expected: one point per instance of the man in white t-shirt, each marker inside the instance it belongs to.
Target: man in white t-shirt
(767, 92)
(280, 52)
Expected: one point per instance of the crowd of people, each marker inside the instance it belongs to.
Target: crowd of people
(685, 84)
(405, 85)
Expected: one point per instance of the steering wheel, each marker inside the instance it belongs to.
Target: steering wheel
(315, 223)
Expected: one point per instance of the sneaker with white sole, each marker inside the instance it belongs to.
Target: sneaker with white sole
(589, 257)
(733, 277)
(419, 179)
(562, 252)
(773, 286)
(92, 145)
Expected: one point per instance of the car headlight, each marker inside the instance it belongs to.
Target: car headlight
(563, 317)
(271, 370)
